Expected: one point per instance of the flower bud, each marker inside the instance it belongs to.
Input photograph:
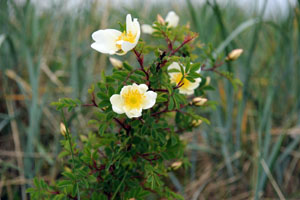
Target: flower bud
(63, 129)
(67, 169)
(116, 63)
(160, 19)
(207, 80)
(147, 29)
(196, 123)
(234, 54)
(176, 165)
(132, 199)
(199, 101)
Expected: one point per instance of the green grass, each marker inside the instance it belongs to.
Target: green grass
(250, 125)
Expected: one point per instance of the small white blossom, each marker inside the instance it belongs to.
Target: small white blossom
(132, 100)
(111, 41)
(188, 87)
(146, 28)
(172, 19)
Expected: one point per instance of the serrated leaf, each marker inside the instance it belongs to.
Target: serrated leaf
(138, 72)
(64, 183)
(127, 66)
(173, 70)
(171, 104)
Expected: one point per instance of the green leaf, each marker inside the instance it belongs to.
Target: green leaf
(173, 70)
(161, 99)
(138, 72)
(127, 66)
(104, 103)
(103, 77)
(195, 67)
(171, 104)
(102, 95)
(64, 183)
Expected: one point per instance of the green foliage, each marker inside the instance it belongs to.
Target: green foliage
(129, 158)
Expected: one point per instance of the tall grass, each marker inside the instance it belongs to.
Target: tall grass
(249, 150)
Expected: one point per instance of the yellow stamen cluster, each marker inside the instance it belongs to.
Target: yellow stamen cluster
(177, 78)
(128, 37)
(133, 99)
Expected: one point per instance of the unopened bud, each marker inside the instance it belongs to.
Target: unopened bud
(207, 80)
(160, 19)
(234, 54)
(132, 199)
(196, 123)
(199, 101)
(188, 25)
(67, 169)
(63, 129)
(116, 63)
(176, 165)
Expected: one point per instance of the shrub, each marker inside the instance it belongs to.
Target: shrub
(141, 113)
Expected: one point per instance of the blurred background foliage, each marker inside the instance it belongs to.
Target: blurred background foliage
(251, 148)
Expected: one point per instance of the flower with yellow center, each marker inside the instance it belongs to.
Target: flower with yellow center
(188, 87)
(132, 100)
(111, 41)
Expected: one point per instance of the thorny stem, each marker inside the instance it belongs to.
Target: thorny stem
(186, 40)
(214, 68)
(129, 74)
(140, 59)
(124, 126)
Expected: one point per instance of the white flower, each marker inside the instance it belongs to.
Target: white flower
(172, 19)
(146, 28)
(132, 100)
(112, 41)
(188, 87)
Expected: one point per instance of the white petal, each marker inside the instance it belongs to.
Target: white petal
(172, 19)
(174, 65)
(143, 88)
(150, 99)
(129, 23)
(147, 29)
(105, 40)
(134, 113)
(125, 89)
(194, 85)
(186, 91)
(117, 103)
(127, 46)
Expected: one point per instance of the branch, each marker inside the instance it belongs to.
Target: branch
(140, 59)
(186, 40)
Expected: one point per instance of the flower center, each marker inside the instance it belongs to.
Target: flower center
(128, 37)
(133, 99)
(177, 78)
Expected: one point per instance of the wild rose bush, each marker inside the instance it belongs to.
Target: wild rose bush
(142, 110)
